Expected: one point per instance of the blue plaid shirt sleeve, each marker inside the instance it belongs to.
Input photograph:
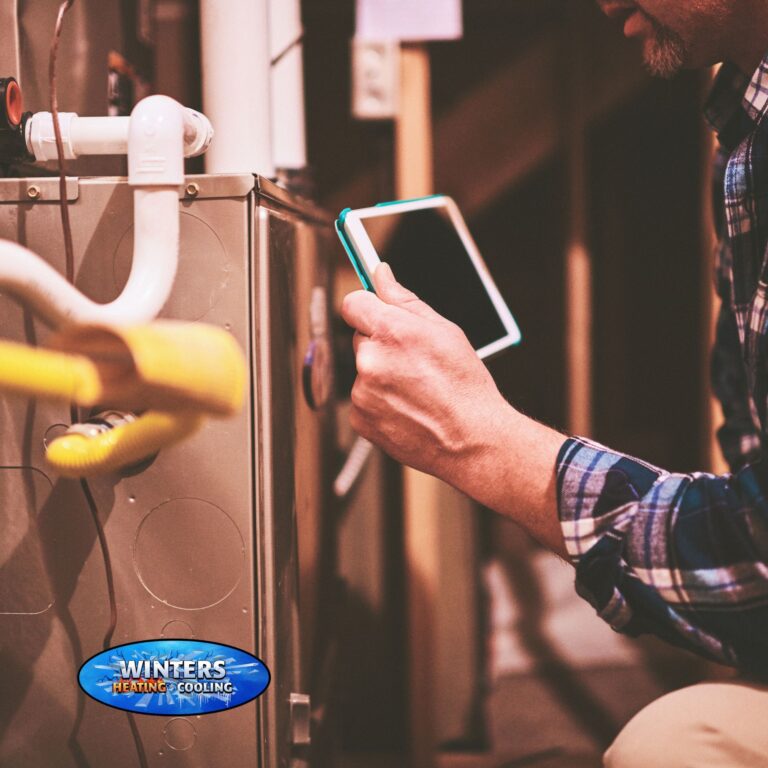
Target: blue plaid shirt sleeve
(739, 440)
(679, 556)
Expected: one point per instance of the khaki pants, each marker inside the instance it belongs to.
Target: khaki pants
(723, 725)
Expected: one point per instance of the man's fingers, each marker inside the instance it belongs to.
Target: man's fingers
(392, 292)
(364, 311)
(356, 341)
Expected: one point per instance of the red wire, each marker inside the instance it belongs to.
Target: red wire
(64, 203)
(70, 272)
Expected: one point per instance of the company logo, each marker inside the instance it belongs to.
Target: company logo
(174, 677)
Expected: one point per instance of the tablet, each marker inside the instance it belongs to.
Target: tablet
(430, 250)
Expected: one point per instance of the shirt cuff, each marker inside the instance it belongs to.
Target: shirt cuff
(594, 488)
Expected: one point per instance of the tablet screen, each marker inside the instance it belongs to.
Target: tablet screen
(428, 256)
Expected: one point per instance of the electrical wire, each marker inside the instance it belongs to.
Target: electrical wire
(53, 90)
(107, 642)
(288, 48)
(70, 268)
(74, 416)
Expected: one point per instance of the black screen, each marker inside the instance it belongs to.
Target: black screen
(428, 256)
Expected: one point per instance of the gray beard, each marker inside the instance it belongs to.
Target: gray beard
(666, 54)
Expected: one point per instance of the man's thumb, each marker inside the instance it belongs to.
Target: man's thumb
(385, 283)
(391, 292)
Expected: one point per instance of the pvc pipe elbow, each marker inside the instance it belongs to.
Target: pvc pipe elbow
(198, 132)
(156, 143)
(156, 135)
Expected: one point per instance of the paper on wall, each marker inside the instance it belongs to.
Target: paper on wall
(409, 20)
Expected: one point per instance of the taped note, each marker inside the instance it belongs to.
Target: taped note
(409, 20)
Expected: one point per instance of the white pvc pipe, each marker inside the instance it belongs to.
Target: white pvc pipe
(289, 144)
(235, 50)
(355, 463)
(103, 135)
(156, 134)
(96, 135)
(24, 275)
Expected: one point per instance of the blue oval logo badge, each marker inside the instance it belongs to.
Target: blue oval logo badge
(174, 677)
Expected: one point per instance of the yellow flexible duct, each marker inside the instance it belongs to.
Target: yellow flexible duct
(167, 365)
(76, 455)
(180, 371)
(41, 372)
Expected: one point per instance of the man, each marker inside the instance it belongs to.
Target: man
(682, 556)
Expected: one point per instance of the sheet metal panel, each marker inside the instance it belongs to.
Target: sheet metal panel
(204, 541)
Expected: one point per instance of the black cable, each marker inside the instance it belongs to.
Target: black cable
(70, 266)
(288, 48)
(70, 269)
(107, 562)
(141, 754)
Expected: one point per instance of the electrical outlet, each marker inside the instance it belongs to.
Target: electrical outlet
(375, 79)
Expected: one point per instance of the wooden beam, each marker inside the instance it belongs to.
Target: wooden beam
(511, 123)
(414, 170)
(712, 415)
(578, 261)
(439, 522)
(414, 178)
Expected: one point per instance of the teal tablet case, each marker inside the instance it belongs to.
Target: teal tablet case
(353, 257)
(349, 248)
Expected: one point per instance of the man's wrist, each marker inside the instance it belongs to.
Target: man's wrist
(509, 465)
(485, 451)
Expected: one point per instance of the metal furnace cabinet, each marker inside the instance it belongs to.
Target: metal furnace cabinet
(205, 541)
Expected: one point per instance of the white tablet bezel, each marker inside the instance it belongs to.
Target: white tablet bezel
(358, 237)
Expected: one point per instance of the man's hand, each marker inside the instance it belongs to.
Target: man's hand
(423, 395)
(421, 392)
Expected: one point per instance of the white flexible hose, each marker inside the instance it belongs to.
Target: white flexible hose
(24, 275)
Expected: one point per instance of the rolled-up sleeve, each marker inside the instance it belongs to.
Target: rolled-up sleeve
(679, 556)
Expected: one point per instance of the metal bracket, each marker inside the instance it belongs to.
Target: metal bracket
(301, 715)
(41, 189)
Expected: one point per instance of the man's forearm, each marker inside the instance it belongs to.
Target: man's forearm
(423, 395)
(512, 470)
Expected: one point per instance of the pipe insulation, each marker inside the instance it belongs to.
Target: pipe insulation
(235, 52)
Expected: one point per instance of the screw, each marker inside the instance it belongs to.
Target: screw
(33, 192)
(192, 190)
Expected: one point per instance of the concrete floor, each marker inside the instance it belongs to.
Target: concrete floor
(560, 684)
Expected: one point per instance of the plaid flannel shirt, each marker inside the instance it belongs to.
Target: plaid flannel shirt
(685, 556)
